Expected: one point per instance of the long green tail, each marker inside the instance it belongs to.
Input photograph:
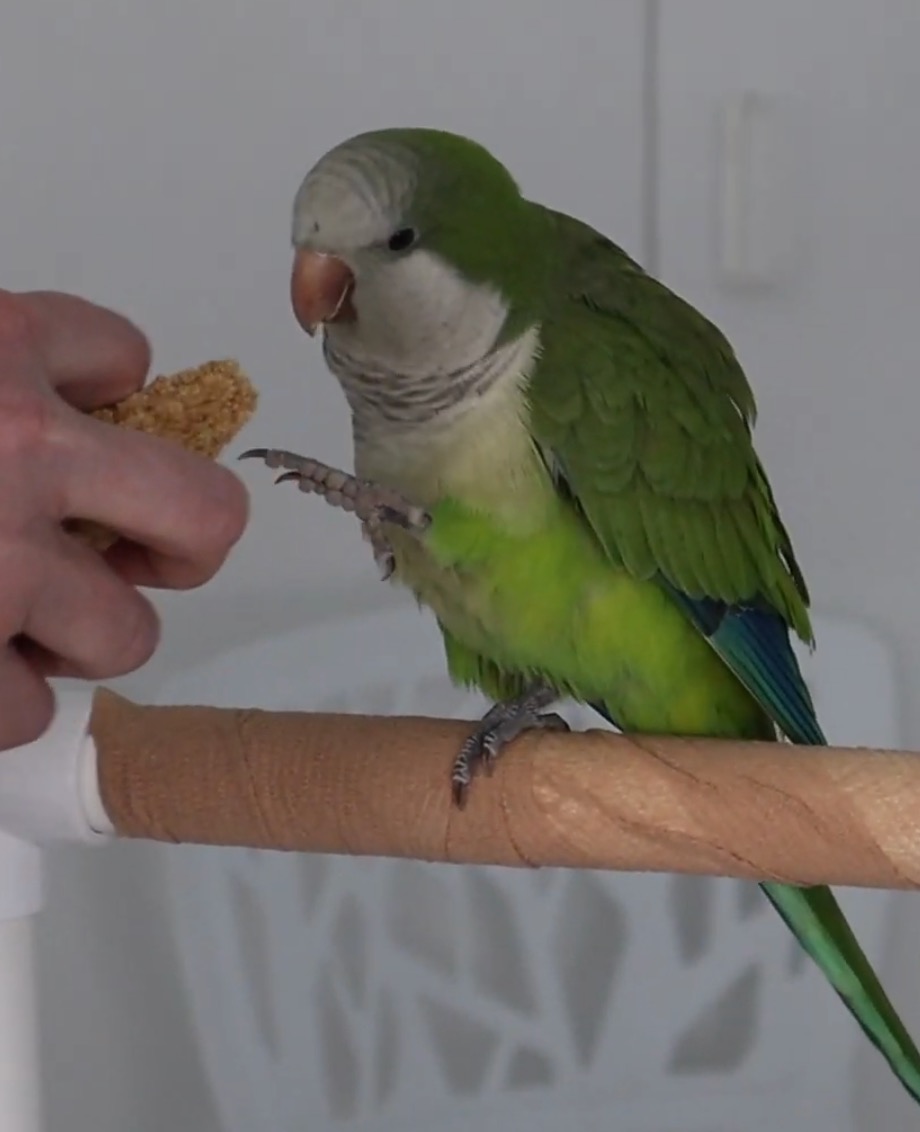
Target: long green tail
(755, 645)
(816, 920)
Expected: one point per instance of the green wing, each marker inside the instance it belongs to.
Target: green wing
(642, 411)
(640, 403)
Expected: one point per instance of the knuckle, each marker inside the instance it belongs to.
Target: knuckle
(26, 705)
(126, 348)
(224, 519)
(16, 323)
(27, 420)
(39, 711)
(133, 638)
(136, 350)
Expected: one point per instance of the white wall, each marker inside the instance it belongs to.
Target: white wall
(149, 155)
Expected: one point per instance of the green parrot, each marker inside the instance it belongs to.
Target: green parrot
(554, 453)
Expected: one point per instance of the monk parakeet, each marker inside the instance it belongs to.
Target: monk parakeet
(554, 453)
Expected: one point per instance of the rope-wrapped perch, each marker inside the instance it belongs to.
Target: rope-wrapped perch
(379, 786)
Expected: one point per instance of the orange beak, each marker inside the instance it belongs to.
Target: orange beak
(321, 287)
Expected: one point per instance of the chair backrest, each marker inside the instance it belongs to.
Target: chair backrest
(332, 993)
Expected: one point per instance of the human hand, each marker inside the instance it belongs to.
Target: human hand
(66, 610)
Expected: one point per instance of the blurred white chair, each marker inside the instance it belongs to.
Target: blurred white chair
(338, 994)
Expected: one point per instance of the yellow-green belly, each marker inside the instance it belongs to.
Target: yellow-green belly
(547, 602)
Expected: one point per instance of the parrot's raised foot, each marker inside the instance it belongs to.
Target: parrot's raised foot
(501, 725)
(374, 504)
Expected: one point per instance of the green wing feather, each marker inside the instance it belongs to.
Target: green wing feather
(644, 414)
(644, 402)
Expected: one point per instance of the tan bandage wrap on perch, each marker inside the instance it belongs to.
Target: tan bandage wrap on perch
(380, 786)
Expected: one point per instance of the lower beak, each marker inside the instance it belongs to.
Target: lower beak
(321, 287)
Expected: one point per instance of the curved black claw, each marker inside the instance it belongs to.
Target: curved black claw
(374, 504)
(501, 725)
(384, 557)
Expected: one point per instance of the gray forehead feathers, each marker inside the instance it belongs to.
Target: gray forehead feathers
(354, 196)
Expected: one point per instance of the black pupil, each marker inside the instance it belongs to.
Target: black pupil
(401, 239)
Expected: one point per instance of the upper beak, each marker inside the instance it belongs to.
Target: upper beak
(321, 286)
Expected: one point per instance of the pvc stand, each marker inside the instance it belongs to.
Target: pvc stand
(47, 794)
(20, 892)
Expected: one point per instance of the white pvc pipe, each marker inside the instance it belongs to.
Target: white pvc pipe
(48, 792)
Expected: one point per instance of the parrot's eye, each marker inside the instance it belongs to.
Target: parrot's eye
(402, 239)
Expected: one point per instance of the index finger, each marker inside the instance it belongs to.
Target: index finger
(92, 355)
(187, 510)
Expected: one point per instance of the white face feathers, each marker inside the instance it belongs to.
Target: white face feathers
(416, 316)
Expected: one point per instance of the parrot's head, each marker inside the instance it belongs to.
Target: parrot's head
(416, 252)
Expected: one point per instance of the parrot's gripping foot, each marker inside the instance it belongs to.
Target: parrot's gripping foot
(374, 504)
(501, 725)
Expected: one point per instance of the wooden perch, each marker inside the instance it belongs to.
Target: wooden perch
(379, 786)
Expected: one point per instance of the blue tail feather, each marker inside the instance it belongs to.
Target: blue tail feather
(753, 640)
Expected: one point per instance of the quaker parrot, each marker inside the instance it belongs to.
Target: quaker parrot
(554, 452)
